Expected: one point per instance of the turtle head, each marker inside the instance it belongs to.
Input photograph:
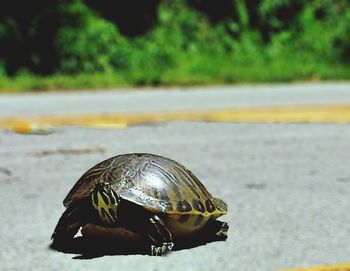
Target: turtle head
(105, 201)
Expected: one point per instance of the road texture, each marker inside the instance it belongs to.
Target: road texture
(172, 99)
(287, 185)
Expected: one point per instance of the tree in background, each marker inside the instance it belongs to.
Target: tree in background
(153, 41)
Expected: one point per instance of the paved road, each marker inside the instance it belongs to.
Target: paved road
(287, 187)
(174, 99)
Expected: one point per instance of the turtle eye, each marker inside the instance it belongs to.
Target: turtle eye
(107, 185)
(102, 186)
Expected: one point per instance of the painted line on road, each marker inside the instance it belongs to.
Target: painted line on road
(278, 114)
(338, 267)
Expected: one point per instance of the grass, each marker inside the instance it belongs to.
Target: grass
(196, 72)
(184, 47)
(23, 83)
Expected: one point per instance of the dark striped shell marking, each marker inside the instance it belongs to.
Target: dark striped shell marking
(155, 182)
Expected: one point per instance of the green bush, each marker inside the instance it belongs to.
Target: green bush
(261, 40)
(88, 43)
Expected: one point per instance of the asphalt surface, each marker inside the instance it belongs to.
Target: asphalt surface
(173, 99)
(287, 187)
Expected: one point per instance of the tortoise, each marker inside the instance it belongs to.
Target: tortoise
(148, 194)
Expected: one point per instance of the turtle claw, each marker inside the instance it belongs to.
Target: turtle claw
(222, 232)
(161, 250)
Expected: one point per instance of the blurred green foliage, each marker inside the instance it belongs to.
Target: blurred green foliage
(175, 42)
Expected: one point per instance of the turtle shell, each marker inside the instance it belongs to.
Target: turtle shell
(159, 184)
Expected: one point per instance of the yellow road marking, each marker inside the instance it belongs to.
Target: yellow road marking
(283, 114)
(338, 267)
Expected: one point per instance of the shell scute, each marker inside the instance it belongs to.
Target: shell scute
(157, 183)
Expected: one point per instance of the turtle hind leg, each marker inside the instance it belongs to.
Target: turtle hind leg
(214, 231)
(222, 230)
(159, 236)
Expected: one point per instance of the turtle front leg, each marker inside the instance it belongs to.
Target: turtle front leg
(159, 236)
